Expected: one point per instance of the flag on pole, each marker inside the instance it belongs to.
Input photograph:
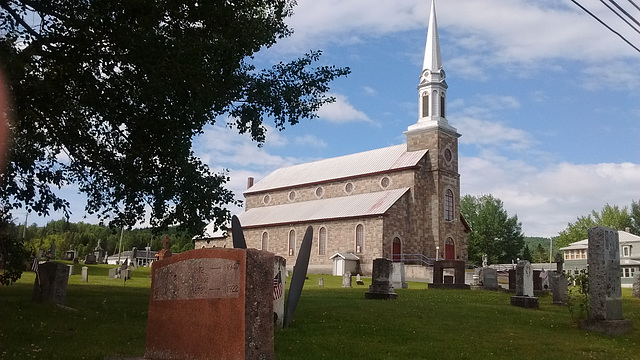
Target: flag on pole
(125, 264)
(35, 264)
(277, 286)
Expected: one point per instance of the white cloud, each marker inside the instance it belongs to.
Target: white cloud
(310, 141)
(370, 91)
(341, 111)
(490, 133)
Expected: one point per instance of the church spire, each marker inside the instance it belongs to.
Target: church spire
(432, 59)
(432, 89)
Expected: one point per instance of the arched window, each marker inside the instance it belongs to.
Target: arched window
(449, 249)
(448, 205)
(425, 105)
(359, 238)
(292, 243)
(265, 241)
(322, 241)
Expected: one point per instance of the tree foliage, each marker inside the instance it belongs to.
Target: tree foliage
(493, 232)
(612, 217)
(109, 95)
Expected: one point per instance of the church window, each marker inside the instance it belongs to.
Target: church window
(265, 241)
(447, 154)
(448, 205)
(266, 199)
(425, 105)
(292, 195)
(442, 104)
(385, 181)
(292, 243)
(359, 238)
(319, 192)
(348, 188)
(322, 241)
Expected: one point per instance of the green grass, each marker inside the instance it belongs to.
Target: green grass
(330, 323)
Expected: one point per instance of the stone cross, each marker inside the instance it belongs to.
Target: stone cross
(165, 242)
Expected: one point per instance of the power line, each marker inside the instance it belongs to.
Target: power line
(625, 12)
(634, 4)
(605, 25)
(620, 16)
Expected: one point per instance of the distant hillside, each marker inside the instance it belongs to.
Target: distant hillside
(533, 242)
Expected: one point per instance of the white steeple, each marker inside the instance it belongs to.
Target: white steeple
(432, 89)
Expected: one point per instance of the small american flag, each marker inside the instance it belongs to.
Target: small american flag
(35, 264)
(277, 287)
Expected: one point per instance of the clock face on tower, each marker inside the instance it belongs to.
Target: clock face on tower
(447, 155)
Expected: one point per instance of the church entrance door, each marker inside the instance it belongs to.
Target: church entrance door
(449, 249)
(397, 250)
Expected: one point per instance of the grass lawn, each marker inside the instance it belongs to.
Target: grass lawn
(330, 323)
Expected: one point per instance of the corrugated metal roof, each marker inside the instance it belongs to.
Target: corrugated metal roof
(376, 203)
(368, 162)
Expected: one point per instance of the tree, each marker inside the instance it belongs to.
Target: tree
(526, 254)
(634, 213)
(610, 216)
(540, 254)
(493, 232)
(109, 95)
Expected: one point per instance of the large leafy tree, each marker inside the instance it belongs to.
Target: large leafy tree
(108, 95)
(613, 217)
(493, 232)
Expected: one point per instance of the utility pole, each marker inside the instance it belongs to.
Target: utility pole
(120, 246)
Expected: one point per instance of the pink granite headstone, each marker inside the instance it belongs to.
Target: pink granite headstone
(211, 304)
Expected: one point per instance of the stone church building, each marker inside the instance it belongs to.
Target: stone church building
(400, 202)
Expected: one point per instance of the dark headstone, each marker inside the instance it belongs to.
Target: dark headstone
(559, 287)
(210, 304)
(439, 277)
(524, 287)
(381, 288)
(51, 283)
(90, 259)
(237, 234)
(489, 278)
(298, 277)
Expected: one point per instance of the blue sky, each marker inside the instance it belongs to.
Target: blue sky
(546, 99)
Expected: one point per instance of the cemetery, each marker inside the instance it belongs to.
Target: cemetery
(105, 318)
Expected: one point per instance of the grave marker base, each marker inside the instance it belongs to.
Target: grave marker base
(527, 302)
(607, 327)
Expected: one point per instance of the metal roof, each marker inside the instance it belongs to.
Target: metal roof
(368, 162)
(346, 256)
(623, 238)
(376, 203)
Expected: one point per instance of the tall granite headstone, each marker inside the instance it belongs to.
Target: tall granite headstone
(635, 291)
(524, 287)
(279, 281)
(85, 274)
(558, 282)
(210, 304)
(605, 291)
(381, 288)
(51, 283)
(398, 277)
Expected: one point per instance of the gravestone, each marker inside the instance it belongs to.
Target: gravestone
(279, 282)
(524, 287)
(52, 250)
(90, 259)
(85, 274)
(346, 279)
(359, 280)
(442, 281)
(69, 255)
(635, 291)
(489, 278)
(113, 273)
(164, 253)
(51, 283)
(320, 282)
(605, 291)
(71, 270)
(558, 282)
(381, 288)
(397, 277)
(210, 304)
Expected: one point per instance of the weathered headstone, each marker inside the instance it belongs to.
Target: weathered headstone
(51, 283)
(381, 288)
(558, 282)
(359, 280)
(605, 292)
(346, 279)
(442, 281)
(489, 278)
(90, 259)
(70, 270)
(320, 282)
(113, 273)
(165, 253)
(210, 304)
(85, 274)
(397, 276)
(524, 287)
(635, 291)
(52, 250)
(279, 282)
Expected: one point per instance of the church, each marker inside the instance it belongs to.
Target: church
(400, 202)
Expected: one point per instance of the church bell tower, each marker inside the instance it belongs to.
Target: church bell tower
(445, 236)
